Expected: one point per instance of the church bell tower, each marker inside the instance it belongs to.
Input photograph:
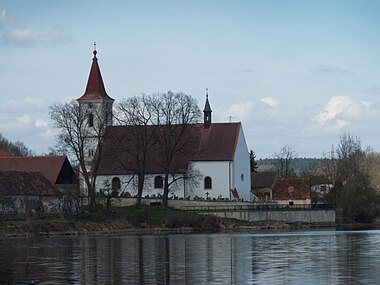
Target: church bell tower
(96, 110)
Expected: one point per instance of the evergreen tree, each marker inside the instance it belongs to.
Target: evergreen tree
(253, 162)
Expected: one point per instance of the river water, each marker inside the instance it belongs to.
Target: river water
(308, 257)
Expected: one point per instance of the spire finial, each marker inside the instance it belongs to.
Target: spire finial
(207, 93)
(95, 52)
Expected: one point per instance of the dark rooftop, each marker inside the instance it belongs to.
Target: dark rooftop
(26, 183)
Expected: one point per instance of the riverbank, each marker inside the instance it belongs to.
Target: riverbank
(53, 227)
(129, 220)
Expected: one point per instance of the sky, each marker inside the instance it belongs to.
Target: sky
(296, 73)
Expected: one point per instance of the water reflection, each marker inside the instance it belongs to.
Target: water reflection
(325, 257)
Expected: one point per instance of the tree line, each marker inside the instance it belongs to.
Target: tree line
(15, 148)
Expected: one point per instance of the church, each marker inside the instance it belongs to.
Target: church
(219, 157)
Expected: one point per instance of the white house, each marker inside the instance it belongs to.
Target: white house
(214, 165)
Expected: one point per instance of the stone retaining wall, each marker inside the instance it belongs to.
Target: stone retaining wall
(288, 215)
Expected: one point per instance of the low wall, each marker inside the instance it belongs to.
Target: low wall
(239, 215)
(314, 216)
(234, 210)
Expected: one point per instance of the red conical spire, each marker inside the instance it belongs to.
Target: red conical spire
(95, 87)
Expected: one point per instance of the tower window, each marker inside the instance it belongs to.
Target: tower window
(158, 182)
(208, 182)
(90, 120)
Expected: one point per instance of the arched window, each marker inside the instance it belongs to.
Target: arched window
(208, 182)
(158, 182)
(90, 120)
(116, 185)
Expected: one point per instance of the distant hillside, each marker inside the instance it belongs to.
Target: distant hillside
(16, 148)
(298, 164)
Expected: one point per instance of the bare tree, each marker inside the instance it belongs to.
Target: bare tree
(328, 166)
(283, 161)
(352, 191)
(76, 135)
(351, 158)
(139, 116)
(176, 112)
(373, 165)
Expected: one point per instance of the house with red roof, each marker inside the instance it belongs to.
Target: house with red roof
(216, 152)
(4, 153)
(291, 192)
(24, 193)
(262, 184)
(57, 169)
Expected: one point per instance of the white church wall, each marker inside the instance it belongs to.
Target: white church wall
(128, 183)
(219, 173)
(241, 168)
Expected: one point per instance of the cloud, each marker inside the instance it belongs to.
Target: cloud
(25, 104)
(15, 32)
(30, 37)
(24, 120)
(3, 18)
(341, 111)
(3, 14)
(270, 101)
(41, 123)
(239, 111)
(36, 133)
(335, 106)
(326, 70)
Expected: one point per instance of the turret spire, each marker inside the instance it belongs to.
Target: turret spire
(207, 113)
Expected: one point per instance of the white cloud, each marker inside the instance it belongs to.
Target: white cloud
(25, 120)
(366, 104)
(30, 37)
(342, 111)
(270, 101)
(41, 123)
(335, 106)
(49, 134)
(240, 110)
(27, 103)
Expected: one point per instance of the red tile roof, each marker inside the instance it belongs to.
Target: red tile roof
(217, 143)
(4, 153)
(318, 180)
(50, 166)
(290, 189)
(95, 87)
(26, 183)
(263, 179)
